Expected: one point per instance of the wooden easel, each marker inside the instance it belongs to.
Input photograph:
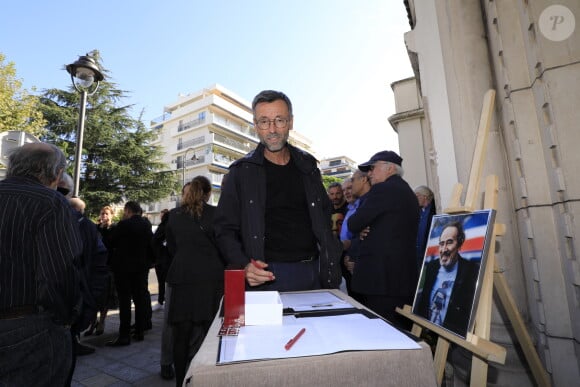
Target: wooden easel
(478, 342)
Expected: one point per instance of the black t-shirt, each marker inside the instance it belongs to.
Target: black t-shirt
(289, 235)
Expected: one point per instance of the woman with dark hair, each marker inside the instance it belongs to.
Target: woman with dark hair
(196, 274)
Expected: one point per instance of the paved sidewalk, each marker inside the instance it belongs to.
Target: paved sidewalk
(134, 365)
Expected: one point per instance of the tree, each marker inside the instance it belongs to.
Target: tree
(119, 161)
(328, 180)
(18, 108)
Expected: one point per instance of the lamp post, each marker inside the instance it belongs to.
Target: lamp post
(194, 157)
(85, 76)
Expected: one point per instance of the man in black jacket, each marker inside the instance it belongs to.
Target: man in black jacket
(131, 241)
(273, 216)
(385, 274)
(93, 272)
(447, 296)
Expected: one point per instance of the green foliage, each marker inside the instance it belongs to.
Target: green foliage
(328, 180)
(119, 161)
(18, 108)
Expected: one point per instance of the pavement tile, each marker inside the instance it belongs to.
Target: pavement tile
(101, 380)
(134, 365)
(83, 372)
(125, 372)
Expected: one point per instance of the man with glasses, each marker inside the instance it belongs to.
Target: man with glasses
(273, 216)
(385, 273)
(448, 291)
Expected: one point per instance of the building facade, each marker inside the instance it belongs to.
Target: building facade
(340, 167)
(8, 141)
(529, 52)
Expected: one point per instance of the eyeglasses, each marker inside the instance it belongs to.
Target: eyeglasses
(279, 122)
(372, 167)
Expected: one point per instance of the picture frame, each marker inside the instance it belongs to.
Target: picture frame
(452, 270)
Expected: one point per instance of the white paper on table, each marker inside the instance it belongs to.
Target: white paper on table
(302, 302)
(324, 335)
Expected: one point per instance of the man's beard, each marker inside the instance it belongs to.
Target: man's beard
(274, 148)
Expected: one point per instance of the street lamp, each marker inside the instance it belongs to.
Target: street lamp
(194, 157)
(85, 76)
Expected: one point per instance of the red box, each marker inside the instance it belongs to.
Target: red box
(234, 297)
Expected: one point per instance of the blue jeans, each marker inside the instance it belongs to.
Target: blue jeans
(34, 351)
(292, 276)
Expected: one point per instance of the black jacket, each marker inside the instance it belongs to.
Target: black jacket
(93, 270)
(196, 274)
(386, 263)
(131, 242)
(461, 299)
(240, 223)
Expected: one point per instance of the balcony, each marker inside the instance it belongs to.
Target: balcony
(190, 163)
(242, 147)
(246, 130)
(190, 124)
(160, 119)
(191, 143)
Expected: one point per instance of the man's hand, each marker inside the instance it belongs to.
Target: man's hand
(349, 264)
(363, 234)
(256, 275)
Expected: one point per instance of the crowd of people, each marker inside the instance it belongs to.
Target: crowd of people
(275, 219)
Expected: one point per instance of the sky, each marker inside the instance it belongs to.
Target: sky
(335, 59)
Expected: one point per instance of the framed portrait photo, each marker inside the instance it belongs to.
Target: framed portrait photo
(451, 274)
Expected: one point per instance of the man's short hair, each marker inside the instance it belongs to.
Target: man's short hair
(270, 96)
(134, 207)
(38, 160)
(460, 232)
(334, 185)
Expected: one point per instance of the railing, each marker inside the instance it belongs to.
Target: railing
(161, 119)
(189, 163)
(190, 124)
(245, 129)
(238, 145)
(190, 143)
(223, 159)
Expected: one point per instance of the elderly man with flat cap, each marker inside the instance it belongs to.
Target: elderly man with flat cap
(386, 272)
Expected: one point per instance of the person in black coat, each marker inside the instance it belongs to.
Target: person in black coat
(162, 260)
(275, 211)
(447, 296)
(196, 274)
(109, 300)
(385, 274)
(131, 241)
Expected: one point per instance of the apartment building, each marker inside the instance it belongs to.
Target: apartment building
(8, 141)
(340, 167)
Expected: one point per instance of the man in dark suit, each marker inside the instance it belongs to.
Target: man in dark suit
(385, 274)
(40, 244)
(448, 291)
(131, 241)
